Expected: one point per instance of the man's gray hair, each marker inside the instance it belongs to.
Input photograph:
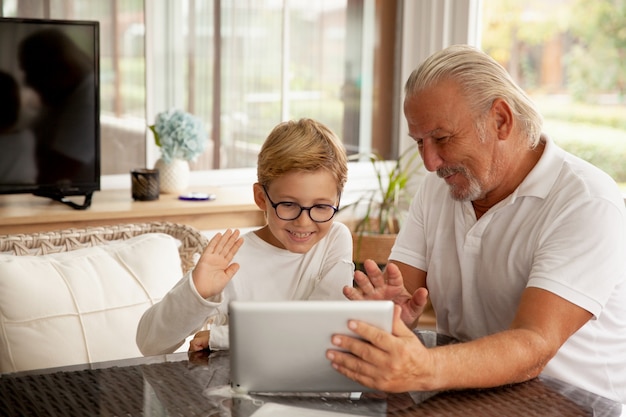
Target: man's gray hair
(482, 80)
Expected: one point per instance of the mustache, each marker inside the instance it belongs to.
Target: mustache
(446, 171)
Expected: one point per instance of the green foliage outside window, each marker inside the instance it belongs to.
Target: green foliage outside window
(585, 110)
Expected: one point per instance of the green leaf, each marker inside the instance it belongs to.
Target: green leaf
(157, 139)
(382, 205)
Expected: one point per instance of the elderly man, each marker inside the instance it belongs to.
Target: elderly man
(520, 245)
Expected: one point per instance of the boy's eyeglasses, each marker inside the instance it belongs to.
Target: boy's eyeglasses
(285, 210)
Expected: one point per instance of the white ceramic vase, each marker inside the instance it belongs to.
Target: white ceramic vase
(173, 177)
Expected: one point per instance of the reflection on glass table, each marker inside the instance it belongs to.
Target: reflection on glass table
(197, 384)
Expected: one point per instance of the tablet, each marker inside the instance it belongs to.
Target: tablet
(280, 346)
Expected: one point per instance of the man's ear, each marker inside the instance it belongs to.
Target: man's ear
(259, 196)
(503, 117)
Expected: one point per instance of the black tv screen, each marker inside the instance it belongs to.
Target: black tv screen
(49, 108)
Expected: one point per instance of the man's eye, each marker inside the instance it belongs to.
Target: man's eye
(441, 139)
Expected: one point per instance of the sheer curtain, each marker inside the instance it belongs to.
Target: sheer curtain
(246, 65)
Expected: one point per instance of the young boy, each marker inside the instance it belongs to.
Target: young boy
(300, 254)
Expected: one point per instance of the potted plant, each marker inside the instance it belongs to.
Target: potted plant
(379, 212)
(382, 211)
(181, 137)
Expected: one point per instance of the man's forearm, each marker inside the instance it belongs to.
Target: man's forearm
(508, 357)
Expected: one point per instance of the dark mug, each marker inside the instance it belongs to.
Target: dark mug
(145, 184)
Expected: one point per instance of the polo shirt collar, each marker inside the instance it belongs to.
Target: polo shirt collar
(542, 177)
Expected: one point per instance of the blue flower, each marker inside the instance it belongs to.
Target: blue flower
(179, 135)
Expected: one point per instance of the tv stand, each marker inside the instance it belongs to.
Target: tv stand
(65, 200)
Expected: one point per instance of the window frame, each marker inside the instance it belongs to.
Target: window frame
(426, 26)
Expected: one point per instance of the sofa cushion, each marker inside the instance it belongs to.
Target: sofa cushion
(84, 305)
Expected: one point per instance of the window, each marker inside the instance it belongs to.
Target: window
(242, 66)
(266, 61)
(570, 56)
(245, 66)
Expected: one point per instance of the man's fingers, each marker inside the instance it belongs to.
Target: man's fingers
(371, 358)
(351, 362)
(352, 293)
(393, 275)
(420, 297)
(363, 282)
(376, 276)
(351, 367)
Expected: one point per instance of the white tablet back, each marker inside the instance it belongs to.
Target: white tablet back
(280, 346)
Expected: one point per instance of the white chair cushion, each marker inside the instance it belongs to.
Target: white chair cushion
(84, 305)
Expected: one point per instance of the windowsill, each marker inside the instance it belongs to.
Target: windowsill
(360, 178)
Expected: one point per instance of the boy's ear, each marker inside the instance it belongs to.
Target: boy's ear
(259, 196)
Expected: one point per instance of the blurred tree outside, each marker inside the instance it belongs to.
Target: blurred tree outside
(570, 56)
(598, 59)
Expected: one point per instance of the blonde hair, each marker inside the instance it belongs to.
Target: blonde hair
(482, 80)
(302, 145)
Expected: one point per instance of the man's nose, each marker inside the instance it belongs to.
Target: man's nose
(430, 156)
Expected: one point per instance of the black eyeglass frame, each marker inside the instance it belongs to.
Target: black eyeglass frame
(308, 209)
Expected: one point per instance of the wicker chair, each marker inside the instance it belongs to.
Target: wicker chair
(192, 241)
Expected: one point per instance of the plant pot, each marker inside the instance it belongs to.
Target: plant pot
(372, 246)
(368, 244)
(173, 176)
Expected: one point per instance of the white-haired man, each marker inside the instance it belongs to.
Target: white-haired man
(520, 245)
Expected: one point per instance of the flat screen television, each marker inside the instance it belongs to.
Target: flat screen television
(50, 108)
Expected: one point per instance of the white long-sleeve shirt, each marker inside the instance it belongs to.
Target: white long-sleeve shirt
(266, 273)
